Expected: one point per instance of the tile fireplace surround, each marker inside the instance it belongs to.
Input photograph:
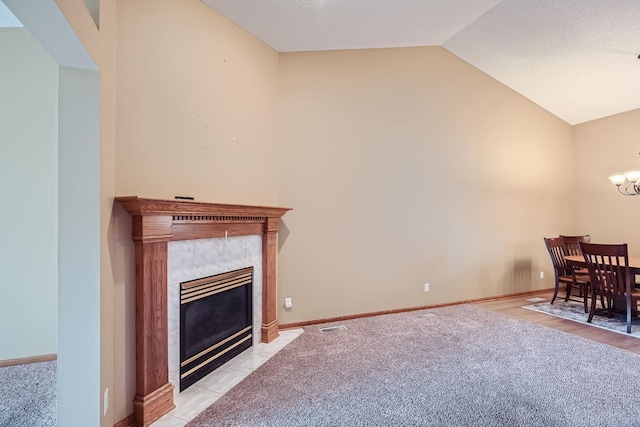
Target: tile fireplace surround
(155, 223)
(195, 259)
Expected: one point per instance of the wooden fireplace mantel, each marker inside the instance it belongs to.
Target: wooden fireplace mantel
(156, 222)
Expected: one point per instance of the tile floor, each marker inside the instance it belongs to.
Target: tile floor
(202, 394)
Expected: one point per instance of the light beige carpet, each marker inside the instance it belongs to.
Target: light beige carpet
(459, 366)
(28, 395)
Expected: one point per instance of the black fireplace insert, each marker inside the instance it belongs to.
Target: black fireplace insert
(216, 318)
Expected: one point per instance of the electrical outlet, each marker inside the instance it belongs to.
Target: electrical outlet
(288, 303)
(426, 287)
(105, 402)
(542, 274)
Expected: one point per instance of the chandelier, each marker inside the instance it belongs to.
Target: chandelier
(627, 183)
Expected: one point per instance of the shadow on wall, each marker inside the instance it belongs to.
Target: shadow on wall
(283, 234)
(518, 276)
(495, 279)
(518, 272)
(124, 295)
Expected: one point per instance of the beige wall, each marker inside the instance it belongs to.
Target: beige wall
(195, 105)
(408, 166)
(196, 102)
(602, 148)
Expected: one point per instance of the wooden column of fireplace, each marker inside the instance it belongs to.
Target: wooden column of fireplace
(156, 222)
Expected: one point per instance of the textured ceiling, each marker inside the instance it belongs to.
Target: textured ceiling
(577, 59)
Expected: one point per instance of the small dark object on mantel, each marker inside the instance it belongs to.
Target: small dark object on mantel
(184, 197)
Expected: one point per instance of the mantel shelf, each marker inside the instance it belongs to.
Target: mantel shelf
(135, 205)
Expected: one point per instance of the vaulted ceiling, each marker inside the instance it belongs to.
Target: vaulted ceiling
(577, 59)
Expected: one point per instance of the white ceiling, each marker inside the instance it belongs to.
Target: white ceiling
(577, 59)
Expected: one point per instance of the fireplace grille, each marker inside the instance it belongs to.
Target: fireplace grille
(216, 318)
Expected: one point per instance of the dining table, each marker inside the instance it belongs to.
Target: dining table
(578, 261)
(634, 268)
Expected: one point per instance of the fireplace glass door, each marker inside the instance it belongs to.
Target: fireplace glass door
(216, 318)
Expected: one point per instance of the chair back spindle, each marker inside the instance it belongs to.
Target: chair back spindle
(572, 243)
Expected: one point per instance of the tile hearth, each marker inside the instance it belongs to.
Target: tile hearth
(205, 392)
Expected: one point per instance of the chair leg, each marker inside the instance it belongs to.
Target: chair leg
(628, 313)
(569, 287)
(584, 293)
(555, 290)
(593, 307)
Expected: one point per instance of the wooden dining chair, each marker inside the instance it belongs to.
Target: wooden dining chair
(608, 267)
(572, 247)
(572, 243)
(564, 273)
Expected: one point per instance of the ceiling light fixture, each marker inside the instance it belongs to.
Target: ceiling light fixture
(627, 183)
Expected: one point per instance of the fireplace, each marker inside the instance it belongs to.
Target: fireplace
(155, 224)
(216, 320)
